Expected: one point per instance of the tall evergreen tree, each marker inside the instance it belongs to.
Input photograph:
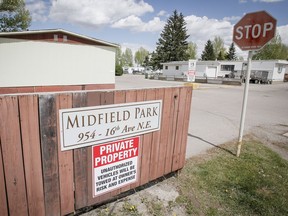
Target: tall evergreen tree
(231, 55)
(172, 44)
(154, 61)
(146, 62)
(208, 52)
(14, 16)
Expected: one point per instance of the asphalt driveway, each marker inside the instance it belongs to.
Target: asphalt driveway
(216, 111)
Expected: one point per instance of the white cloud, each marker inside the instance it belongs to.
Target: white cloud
(96, 13)
(270, 1)
(202, 29)
(163, 13)
(135, 47)
(265, 1)
(283, 31)
(136, 24)
(38, 9)
(232, 19)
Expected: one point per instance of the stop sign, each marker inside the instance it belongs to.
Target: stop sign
(254, 30)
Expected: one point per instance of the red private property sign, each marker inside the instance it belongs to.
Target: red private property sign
(254, 30)
(114, 165)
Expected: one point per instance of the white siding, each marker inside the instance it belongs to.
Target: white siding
(279, 72)
(272, 67)
(34, 63)
(171, 70)
(211, 72)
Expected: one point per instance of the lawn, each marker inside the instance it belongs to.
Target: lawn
(218, 183)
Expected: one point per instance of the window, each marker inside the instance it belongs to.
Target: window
(166, 67)
(64, 38)
(177, 67)
(227, 67)
(55, 37)
(280, 68)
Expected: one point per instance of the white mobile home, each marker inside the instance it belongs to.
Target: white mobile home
(54, 60)
(216, 69)
(207, 69)
(276, 68)
(178, 68)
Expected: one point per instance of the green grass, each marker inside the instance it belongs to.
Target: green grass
(222, 184)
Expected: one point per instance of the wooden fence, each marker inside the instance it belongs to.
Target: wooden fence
(37, 178)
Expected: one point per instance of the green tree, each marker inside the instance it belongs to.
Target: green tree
(118, 57)
(172, 44)
(273, 50)
(146, 62)
(192, 50)
(118, 62)
(14, 16)
(154, 60)
(219, 49)
(140, 56)
(127, 58)
(231, 55)
(221, 56)
(208, 52)
(118, 70)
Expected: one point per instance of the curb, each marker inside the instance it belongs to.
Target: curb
(193, 85)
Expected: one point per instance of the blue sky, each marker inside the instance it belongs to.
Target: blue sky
(136, 23)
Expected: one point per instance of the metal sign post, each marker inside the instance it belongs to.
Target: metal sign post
(244, 104)
(252, 32)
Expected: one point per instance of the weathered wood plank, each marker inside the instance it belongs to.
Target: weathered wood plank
(186, 126)
(140, 97)
(119, 98)
(156, 148)
(3, 198)
(93, 99)
(65, 160)
(80, 162)
(12, 156)
(49, 147)
(179, 130)
(106, 99)
(146, 149)
(172, 130)
(131, 96)
(165, 125)
(28, 105)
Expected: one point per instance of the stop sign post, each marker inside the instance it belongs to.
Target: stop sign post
(252, 32)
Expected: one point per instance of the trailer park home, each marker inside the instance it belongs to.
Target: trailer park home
(54, 60)
(216, 69)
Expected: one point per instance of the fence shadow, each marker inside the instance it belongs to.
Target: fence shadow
(212, 144)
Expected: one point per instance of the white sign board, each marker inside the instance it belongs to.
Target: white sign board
(81, 127)
(191, 73)
(114, 165)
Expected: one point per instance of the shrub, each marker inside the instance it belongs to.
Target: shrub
(118, 70)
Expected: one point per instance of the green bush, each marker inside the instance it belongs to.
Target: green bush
(118, 70)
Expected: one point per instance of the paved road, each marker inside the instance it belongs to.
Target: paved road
(214, 119)
(216, 111)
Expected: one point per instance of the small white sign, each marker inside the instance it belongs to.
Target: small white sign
(81, 127)
(114, 165)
